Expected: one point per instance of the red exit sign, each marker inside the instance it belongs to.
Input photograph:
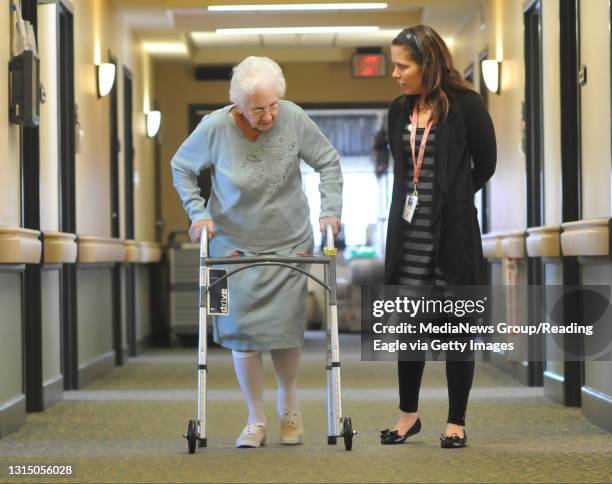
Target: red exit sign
(369, 65)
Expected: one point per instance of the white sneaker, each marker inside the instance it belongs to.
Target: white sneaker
(252, 436)
(292, 429)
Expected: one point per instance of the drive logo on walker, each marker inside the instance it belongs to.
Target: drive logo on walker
(218, 295)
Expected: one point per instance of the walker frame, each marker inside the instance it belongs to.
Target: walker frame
(337, 425)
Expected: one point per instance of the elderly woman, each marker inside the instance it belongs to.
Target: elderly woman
(257, 206)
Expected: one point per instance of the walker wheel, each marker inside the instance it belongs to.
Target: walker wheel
(191, 436)
(347, 433)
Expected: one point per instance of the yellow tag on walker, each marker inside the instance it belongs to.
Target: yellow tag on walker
(327, 251)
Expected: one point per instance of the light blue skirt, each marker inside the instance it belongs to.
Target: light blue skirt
(267, 304)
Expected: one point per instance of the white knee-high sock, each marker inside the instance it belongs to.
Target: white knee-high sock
(286, 364)
(249, 372)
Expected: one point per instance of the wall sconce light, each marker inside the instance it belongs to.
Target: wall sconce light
(106, 78)
(491, 71)
(153, 123)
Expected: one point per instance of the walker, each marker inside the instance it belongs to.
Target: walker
(337, 425)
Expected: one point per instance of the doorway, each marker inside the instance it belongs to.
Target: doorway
(67, 211)
(569, 390)
(483, 194)
(128, 154)
(32, 278)
(534, 154)
(115, 217)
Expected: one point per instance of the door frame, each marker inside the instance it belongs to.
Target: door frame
(32, 278)
(128, 179)
(484, 191)
(67, 190)
(571, 187)
(114, 150)
(534, 155)
(468, 74)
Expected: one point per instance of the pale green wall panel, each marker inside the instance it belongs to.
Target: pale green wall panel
(553, 276)
(124, 331)
(143, 302)
(11, 343)
(598, 374)
(94, 309)
(51, 324)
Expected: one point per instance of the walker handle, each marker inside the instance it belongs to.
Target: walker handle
(329, 236)
(203, 247)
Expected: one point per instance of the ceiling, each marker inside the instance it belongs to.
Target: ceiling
(185, 29)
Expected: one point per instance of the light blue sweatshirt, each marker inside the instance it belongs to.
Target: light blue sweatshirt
(257, 202)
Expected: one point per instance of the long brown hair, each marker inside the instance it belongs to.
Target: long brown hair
(430, 52)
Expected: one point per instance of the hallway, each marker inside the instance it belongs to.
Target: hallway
(127, 427)
(109, 153)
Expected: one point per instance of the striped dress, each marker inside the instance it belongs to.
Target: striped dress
(417, 266)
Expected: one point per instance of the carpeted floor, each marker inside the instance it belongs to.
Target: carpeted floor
(127, 427)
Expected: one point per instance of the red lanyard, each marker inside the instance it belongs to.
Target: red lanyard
(417, 163)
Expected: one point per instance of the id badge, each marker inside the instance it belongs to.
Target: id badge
(412, 201)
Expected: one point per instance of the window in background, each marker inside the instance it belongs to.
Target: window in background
(366, 196)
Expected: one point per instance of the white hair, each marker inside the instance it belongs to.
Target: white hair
(252, 74)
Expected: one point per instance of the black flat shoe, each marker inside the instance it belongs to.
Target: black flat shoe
(453, 441)
(393, 437)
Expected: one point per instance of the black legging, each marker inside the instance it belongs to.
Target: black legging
(459, 375)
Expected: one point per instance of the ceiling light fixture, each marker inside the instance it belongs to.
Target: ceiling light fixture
(298, 30)
(283, 7)
(165, 47)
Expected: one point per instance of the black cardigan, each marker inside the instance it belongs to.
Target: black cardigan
(466, 136)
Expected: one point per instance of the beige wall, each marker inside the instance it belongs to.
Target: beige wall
(129, 54)
(465, 51)
(49, 156)
(307, 82)
(551, 80)
(508, 195)
(468, 44)
(595, 100)
(144, 160)
(503, 36)
(98, 30)
(504, 20)
(10, 193)
(92, 160)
